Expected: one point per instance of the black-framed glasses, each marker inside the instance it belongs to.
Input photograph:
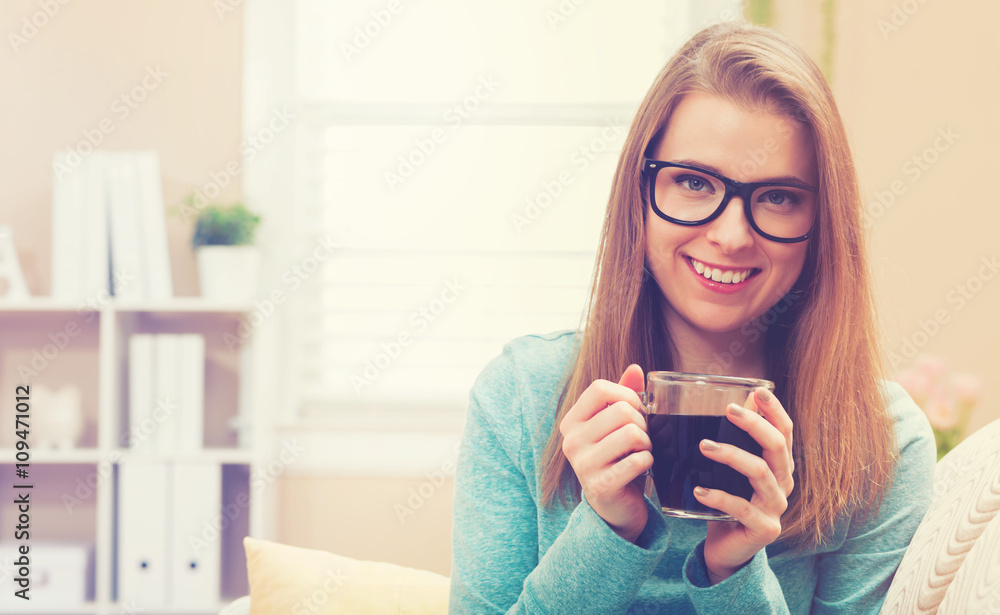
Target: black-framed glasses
(692, 196)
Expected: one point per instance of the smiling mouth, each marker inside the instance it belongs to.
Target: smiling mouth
(722, 276)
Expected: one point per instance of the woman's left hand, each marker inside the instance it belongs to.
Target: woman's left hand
(728, 545)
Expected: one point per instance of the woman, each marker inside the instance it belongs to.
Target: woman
(732, 244)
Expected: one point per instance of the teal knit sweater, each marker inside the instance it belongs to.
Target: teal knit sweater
(511, 555)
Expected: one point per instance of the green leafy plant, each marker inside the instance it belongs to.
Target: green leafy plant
(219, 225)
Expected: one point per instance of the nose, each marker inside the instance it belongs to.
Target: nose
(731, 231)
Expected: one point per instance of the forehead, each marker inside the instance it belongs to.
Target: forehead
(743, 145)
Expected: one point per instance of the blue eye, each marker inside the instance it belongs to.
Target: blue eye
(780, 197)
(692, 182)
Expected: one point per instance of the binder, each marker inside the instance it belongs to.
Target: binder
(68, 215)
(157, 255)
(196, 547)
(127, 239)
(167, 393)
(96, 257)
(191, 411)
(141, 425)
(142, 550)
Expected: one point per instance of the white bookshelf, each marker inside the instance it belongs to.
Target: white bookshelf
(96, 361)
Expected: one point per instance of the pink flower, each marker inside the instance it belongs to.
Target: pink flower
(914, 382)
(931, 366)
(942, 414)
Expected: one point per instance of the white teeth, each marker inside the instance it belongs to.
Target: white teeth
(726, 277)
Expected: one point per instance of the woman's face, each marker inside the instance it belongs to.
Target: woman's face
(712, 133)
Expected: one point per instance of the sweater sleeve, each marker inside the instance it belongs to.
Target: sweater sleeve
(856, 577)
(495, 563)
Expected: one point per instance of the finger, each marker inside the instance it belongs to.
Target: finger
(616, 446)
(599, 395)
(762, 527)
(773, 443)
(774, 412)
(617, 476)
(632, 378)
(614, 417)
(762, 479)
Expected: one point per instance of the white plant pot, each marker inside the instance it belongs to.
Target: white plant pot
(228, 273)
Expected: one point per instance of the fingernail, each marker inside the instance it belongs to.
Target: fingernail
(709, 445)
(736, 410)
(700, 491)
(764, 395)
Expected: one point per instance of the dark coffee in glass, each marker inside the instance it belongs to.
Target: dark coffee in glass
(682, 410)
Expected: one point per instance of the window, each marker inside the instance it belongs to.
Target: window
(461, 155)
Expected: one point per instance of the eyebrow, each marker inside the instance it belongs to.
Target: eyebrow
(781, 179)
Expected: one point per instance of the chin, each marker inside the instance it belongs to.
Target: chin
(718, 325)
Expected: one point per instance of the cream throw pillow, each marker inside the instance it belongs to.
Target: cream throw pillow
(292, 581)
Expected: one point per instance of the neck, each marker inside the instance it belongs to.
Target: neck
(729, 353)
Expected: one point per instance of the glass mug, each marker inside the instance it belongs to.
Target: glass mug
(682, 410)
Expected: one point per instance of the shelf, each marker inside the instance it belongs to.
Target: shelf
(183, 305)
(43, 304)
(186, 305)
(43, 456)
(88, 347)
(93, 455)
(87, 608)
(122, 608)
(208, 455)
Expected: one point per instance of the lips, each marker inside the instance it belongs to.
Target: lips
(722, 275)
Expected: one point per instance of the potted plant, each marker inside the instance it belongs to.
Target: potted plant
(228, 262)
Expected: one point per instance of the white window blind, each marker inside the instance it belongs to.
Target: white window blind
(462, 155)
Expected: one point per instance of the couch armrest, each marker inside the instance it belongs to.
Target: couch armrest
(953, 562)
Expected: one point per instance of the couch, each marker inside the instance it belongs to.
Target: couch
(952, 565)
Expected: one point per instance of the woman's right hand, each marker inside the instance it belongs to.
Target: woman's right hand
(605, 440)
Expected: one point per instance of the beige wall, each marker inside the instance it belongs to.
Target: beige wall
(65, 79)
(901, 81)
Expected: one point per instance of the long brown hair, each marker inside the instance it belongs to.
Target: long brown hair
(823, 350)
